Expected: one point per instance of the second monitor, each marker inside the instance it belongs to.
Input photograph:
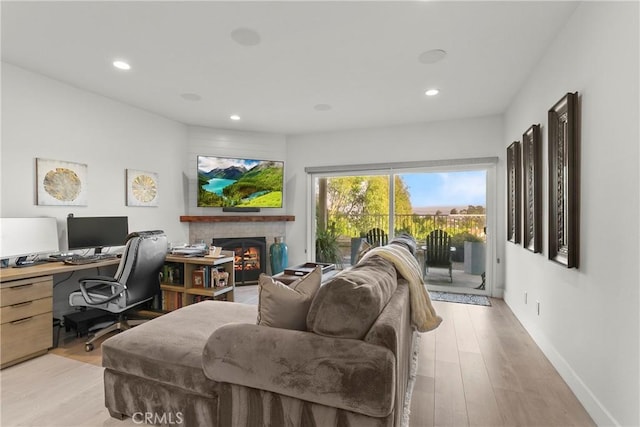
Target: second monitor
(96, 232)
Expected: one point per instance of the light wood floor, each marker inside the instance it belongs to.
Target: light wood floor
(479, 368)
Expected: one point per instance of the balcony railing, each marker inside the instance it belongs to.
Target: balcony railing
(416, 225)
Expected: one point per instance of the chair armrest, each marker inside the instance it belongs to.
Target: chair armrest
(98, 279)
(89, 283)
(343, 373)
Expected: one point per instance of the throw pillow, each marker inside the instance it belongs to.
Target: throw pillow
(407, 241)
(347, 305)
(286, 306)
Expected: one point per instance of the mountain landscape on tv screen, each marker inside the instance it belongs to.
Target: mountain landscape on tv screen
(239, 183)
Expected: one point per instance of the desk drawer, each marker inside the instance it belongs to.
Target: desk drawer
(26, 290)
(26, 309)
(27, 336)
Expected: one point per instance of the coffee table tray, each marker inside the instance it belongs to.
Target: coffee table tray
(306, 268)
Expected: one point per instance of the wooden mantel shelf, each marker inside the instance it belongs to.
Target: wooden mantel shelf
(238, 218)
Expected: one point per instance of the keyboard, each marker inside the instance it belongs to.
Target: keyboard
(62, 257)
(89, 259)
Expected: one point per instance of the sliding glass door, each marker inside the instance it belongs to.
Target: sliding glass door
(448, 217)
(348, 207)
(447, 209)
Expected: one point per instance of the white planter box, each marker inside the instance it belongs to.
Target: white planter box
(474, 257)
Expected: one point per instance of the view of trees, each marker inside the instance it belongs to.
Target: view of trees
(362, 202)
(469, 211)
(356, 204)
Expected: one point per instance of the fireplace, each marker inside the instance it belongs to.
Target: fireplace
(250, 257)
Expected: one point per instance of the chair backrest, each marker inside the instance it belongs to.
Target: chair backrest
(141, 263)
(377, 237)
(438, 250)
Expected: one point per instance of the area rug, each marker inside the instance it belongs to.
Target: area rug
(460, 298)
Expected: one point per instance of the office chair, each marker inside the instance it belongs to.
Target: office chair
(136, 281)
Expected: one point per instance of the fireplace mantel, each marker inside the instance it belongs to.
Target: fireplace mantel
(238, 218)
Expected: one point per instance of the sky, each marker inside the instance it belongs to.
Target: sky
(446, 188)
(208, 163)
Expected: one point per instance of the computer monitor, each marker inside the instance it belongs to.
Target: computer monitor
(96, 232)
(21, 237)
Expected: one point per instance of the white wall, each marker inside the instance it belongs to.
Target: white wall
(44, 118)
(589, 325)
(456, 139)
(229, 143)
(238, 144)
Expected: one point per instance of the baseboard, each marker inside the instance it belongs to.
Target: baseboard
(592, 405)
(497, 293)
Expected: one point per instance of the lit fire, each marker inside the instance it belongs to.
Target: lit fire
(250, 259)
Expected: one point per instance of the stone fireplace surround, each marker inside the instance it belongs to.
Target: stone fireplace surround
(206, 231)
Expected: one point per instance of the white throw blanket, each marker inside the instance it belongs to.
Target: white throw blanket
(423, 315)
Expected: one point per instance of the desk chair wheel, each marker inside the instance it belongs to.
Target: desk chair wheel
(88, 347)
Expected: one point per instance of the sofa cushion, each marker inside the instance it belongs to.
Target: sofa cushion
(169, 348)
(342, 373)
(286, 306)
(348, 304)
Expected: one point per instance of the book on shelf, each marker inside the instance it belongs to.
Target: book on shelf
(172, 274)
(171, 300)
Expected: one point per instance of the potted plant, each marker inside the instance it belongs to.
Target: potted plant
(327, 247)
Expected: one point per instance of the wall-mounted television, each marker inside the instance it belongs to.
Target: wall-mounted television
(239, 183)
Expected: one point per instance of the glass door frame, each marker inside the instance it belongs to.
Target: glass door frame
(488, 164)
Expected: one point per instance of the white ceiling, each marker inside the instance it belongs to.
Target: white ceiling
(361, 58)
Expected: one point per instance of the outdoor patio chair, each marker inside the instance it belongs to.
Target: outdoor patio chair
(438, 251)
(377, 237)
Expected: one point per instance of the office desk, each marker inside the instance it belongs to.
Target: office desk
(26, 308)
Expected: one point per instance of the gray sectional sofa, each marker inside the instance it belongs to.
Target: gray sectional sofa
(212, 364)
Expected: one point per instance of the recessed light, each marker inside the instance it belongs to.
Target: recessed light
(121, 65)
(432, 92)
(432, 56)
(245, 36)
(234, 117)
(322, 107)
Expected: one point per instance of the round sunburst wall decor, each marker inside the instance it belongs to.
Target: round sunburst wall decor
(142, 188)
(61, 183)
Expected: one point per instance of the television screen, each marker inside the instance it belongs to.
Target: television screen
(226, 182)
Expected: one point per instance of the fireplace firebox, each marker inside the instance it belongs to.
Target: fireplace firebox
(250, 257)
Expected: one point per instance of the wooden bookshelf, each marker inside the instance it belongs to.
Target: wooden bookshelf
(178, 286)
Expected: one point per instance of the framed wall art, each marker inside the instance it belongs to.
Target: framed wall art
(60, 183)
(513, 192)
(564, 185)
(142, 188)
(532, 170)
